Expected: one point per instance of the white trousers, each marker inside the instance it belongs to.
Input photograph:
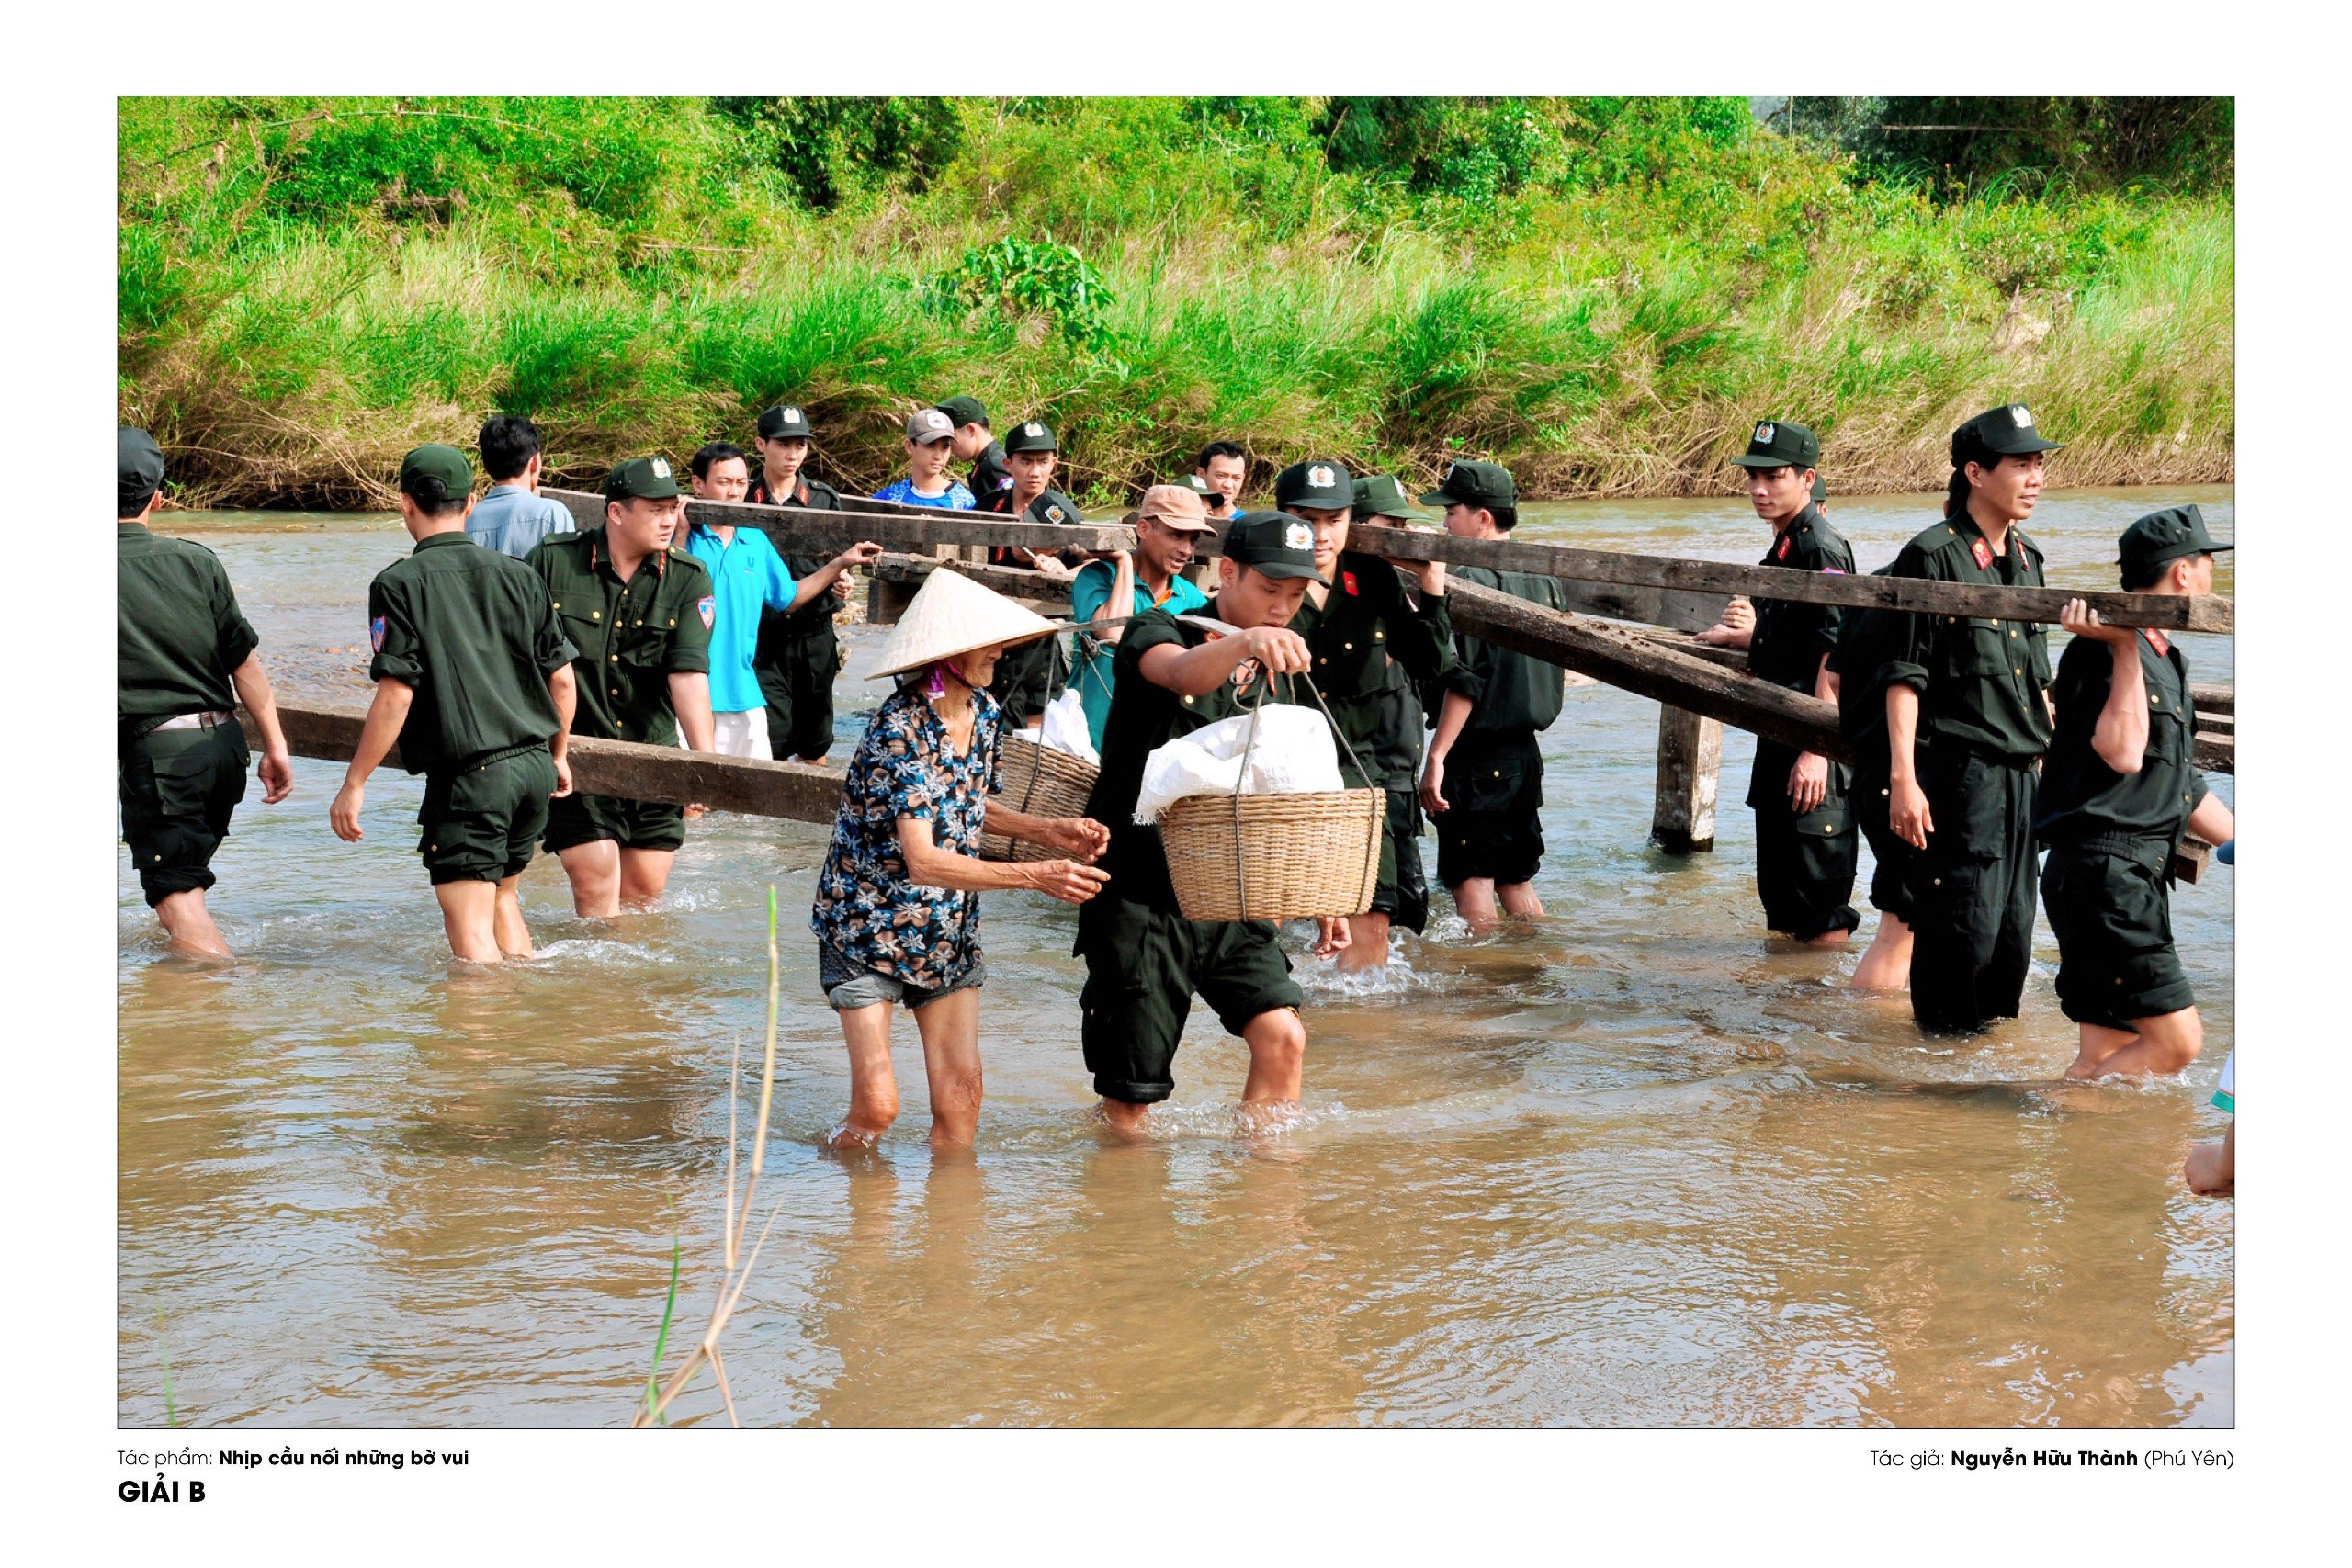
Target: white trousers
(740, 734)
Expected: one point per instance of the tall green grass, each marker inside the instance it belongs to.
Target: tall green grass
(1612, 331)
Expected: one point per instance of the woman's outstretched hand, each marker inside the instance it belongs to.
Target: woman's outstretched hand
(1066, 879)
(1080, 838)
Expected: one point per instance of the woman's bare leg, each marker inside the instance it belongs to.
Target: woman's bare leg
(873, 1087)
(951, 1061)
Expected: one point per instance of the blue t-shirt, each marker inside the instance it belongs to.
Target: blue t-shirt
(511, 520)
(957, 498)
(1087, 592)
(747, 576)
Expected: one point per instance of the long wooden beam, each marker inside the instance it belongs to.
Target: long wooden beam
(1610, 653)
(802, 531)
(2198, 613)
(1624, 658)
(624, 768)
(1014, 582)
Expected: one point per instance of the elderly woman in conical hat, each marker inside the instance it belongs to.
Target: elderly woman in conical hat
(897, 910)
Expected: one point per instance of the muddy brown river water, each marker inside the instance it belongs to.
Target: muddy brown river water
(1636, 1165)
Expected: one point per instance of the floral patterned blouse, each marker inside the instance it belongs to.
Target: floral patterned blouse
(866, 908)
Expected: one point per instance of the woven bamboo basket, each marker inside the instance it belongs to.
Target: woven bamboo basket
(1274, 857)
(1041, 782)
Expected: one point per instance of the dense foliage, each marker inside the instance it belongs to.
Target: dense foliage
(1602, 292)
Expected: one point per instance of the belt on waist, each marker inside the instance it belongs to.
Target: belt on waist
(2137, 846)
(480, 760)
(194, 721)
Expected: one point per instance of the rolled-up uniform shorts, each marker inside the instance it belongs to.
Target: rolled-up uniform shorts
(1144, 966)
(1493, 824)
(481, 817)
(632, 824)
(178, 789)
(2112, 914)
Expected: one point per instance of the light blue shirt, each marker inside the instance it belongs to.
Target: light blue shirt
(955, 498)
(746, 574)
(510, 520)
(1089, 591)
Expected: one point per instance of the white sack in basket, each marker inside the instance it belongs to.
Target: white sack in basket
(1064, 729)
(1294, 755)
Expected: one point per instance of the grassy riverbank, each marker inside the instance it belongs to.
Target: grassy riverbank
(1604, 293)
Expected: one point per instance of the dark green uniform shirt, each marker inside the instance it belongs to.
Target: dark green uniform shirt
(2081, 798)
(814, 619)
(1364, 621)
(1510, 692)
(1787, 644)
(1396, 745)
(1143, 717)
(1866, 641)
(471, 631)
(988, 473)
(1790, 637)
(178, 633)
(1980, 681)
(631, 637)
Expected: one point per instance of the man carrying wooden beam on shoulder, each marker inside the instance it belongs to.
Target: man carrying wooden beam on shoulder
(1356, 627)
(1484, 779)
(799, 654)
(185, 657)
(1805, 842)
(750, 580)
(1026, 675)
(1399, 741)
(1866, 641)
(474, 680)
(639, 611)
(2119, 789)
(969, 420)
(1967, 719)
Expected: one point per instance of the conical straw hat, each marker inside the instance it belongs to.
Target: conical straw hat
(952, 614)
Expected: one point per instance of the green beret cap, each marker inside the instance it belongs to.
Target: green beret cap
(964, 408)
(1030, 435)
(1777, 444)
(2162, 537)
(641, 478)
(1274, 543)
(436, 461)
(1471, 484)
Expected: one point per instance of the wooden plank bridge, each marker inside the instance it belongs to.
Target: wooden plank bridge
(1628, 625)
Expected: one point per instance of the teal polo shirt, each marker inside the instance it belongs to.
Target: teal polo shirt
(1088, 592)
(748, 575)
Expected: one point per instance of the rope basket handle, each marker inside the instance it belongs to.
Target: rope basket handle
(1248, 748)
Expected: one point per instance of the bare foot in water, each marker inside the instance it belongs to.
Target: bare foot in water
(1131, 1121)
(2212, 1168)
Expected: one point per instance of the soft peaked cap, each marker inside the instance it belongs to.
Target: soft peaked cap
(952, 614)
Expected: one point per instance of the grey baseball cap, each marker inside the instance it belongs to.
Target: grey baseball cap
(927, 426)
